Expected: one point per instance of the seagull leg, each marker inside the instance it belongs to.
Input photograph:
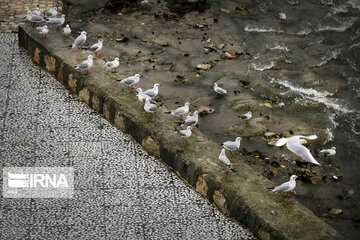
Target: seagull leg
(96, 54)
(232, 154)
(308, 167)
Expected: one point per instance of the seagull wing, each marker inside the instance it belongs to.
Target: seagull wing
(230, 145)
(80, 40)
(84, 64)
(128, 80)
(94, 47)
(286, 186)
(150, 93)
(301, 151)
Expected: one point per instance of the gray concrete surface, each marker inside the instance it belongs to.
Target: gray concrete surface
(120, 191)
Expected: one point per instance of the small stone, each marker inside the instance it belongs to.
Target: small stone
(336, 211)
(220, 46)
(204, 66)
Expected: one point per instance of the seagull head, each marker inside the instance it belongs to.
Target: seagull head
(238, 139)
(83, 33)
(139, 90)
(157, 85)
(62, 15)
(196, 112)
(90, 57)
(222, 152)
(333, 148)
(100, 40)
(45, 26)
(187, 104)
(293, 177)
(54, 8)
(116, 59)
(67, 26)
(281, 142)
(137, 75)
(188, 128)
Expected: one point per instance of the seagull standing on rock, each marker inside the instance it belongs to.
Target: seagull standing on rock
(131, 80)
(246, 116)
(192, 120)
(150, 107)
(113, 65)
(232, 146)
(97, 46)
(224, 161)
(286, 187)
(294, 144)
(43, 31)
(181, 110)
(66, 31)
(185, 133)
(220, 90)
(51, 13)
(80, 40)
(34, 19)
(57, 21)
(329, 152)
(153, 92)
(86, 64)
(141, 96)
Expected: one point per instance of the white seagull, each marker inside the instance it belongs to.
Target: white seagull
(97, 46)
(329, 152)
(66, 31)
(220, 90)
(286, 187)
(113, 64)
(181, 110)
(192, 120)
(294, 144)
(141, 96)
(57, 21)
(153, 92)
(225, 162)
(86, 64)
(150, 107)
(34, 18)
(131, 80)
(232, 146)
(80, 40)
(43, 31)
(246, 116)
(51, 13)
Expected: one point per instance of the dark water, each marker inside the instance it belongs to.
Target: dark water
(308, 54)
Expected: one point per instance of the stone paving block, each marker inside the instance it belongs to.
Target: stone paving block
(125, 231)
(123, 215)
(85, 149)
(13, 231)
(51, 216)
(88, 173)
(123, 196)
(87, 232)
(49, 232)
(160, 230)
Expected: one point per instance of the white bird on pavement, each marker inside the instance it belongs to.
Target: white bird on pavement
(43, 31)
(113, 65)
(246, 116)
(97, 46)
(153, 92)
(80, 40)
(57, 21)
(141, 96)
(66, 31)
(329, 152)
(51, 13)
(232, 146)
(220, 90)
(192, 120)
(286, 187)
(150, 107)
(86, 64)
(131, 80)
(294, 144)
(224, 161)
(181, 110)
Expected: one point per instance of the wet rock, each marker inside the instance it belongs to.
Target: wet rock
(308, 176)
(204, 66)
(336, 211)
(220, 46)
(206, 109)
(271, 138)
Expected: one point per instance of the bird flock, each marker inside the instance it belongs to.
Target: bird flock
(295, 143)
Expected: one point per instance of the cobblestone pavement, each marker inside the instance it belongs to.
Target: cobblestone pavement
(11, 9)
(120, 191)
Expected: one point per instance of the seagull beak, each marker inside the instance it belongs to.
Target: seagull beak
(281, 147)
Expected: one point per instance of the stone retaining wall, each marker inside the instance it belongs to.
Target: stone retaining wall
(242, 196)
